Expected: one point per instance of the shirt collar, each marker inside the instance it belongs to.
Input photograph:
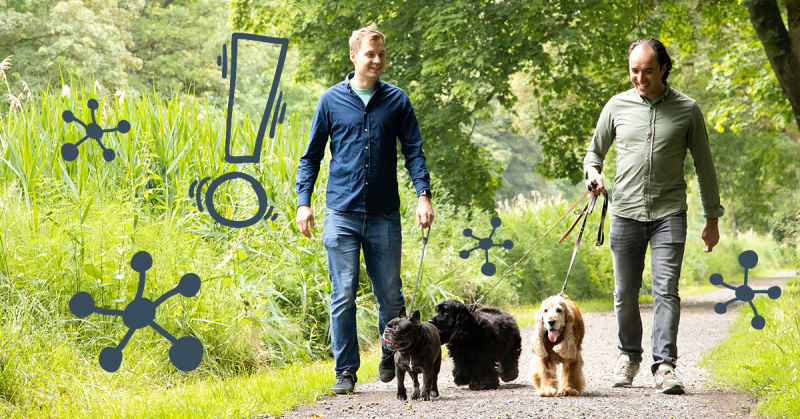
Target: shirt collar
(667, 95)
(350, 75)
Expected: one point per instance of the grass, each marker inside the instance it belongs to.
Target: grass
(764, 363)
(262, 311)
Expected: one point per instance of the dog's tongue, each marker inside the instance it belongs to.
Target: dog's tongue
(553, 335)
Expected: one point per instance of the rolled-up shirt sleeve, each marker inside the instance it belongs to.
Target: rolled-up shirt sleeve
(697, 141)
(601, 141)
(411, 147)
(308, 167)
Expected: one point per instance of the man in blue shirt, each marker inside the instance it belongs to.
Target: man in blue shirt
(364, 117)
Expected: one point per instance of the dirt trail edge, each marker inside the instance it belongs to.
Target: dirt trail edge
(700, 330)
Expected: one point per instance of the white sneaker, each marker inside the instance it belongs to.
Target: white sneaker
(625, 371)
(667, 381)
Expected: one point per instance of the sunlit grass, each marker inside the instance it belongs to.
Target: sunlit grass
(766, 362)
(262, 312)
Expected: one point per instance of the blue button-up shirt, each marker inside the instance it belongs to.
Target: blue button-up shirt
(363, 168)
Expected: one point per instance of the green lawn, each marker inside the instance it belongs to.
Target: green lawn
(764, 363)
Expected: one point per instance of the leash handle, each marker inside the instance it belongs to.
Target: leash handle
(419, 272)
(600, 231)
(580, 215)
(600, 234)
(424, 236)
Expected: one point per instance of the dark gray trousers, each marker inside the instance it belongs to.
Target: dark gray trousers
(629, 240)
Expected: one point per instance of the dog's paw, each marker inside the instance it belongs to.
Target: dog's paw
(484, 385)
(415, 395)
(401, 395)
(460, 377)
(434, 394)
(425, 396)
(547, 392)
(569, 391)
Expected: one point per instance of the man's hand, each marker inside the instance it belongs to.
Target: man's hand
(710, 234)
(424, 212)
(305, 220)
(594, 181)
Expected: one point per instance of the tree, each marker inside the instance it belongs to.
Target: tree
(178, 42)
(453, 57)
(88, 38)
(781, 46)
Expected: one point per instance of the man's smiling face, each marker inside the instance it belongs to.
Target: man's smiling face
(370, 59)
(646, 74)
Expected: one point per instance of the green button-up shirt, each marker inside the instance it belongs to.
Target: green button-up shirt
(652, 140)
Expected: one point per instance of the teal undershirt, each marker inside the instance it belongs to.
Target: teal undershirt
(656, 100)
(364, 94)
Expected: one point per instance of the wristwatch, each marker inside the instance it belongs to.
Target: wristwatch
(425, 192)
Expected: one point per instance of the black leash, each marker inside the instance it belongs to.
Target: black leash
(474, 305)
(419, 272)
(587, 210)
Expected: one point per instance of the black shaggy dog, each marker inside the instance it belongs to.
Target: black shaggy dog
(484, 344)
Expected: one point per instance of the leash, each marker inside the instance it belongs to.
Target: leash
(419, 272)
(587, 210)
(474, 305)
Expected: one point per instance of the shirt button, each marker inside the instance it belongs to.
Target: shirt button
(366, 129)
(367, 183)
(367, 147)
(366, 165)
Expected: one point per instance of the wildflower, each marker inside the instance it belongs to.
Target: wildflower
(15, 103)
(120, 94)
(4, 66)
(98, 88)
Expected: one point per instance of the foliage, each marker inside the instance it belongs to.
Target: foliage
(585, 65)
(91, 37)
(486, 41)
(70, 226)
(177, 43)
(724, 68)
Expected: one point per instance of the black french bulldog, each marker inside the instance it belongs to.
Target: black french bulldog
(417, 350)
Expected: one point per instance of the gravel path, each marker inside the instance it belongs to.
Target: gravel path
(701, 329)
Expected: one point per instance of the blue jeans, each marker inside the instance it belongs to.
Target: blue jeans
(345, 234)
(629, 240)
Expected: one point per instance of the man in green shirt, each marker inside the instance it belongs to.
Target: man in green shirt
(653, 126)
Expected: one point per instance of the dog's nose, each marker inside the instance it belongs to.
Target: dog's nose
(551, 322)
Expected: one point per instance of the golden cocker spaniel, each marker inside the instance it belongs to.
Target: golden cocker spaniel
(557, 340)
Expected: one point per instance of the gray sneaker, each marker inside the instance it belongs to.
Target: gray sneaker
(625, 371)
(667, 381)
(345, 383)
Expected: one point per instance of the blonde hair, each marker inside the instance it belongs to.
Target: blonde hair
(371, 32)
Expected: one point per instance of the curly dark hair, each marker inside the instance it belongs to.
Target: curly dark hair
(661, 52)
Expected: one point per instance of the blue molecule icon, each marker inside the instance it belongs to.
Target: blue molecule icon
(69, 151)
(485, 244)
(185, 353)
(748, 259)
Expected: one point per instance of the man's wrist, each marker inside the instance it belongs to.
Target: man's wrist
(426, 192)
(712, 221)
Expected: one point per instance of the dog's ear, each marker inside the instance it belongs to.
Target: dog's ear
(462, 314)
(415, 317)
(402, 312)
(568, 347)
(538, 335)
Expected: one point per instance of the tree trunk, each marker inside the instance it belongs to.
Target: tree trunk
(781, 46)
